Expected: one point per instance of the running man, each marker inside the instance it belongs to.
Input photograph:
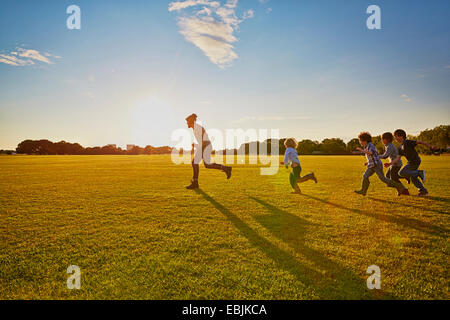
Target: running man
(202, 151)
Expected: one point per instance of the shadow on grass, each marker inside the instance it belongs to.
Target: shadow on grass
(291, 229)
(446, 200)
(399, 220)
(407, 205)
(326, 288)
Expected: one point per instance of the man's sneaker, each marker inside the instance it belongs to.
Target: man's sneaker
(228, 172)
(423, 193)
(422, 175)
(360, 192)
(405, 192)
(314, 177)
(193, 185)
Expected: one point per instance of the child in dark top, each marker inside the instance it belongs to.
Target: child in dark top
(391, 152)
(374, 165)
(411, 169)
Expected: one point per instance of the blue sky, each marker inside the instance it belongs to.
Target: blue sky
(136, 69)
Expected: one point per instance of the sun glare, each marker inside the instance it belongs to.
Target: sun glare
(151, 118)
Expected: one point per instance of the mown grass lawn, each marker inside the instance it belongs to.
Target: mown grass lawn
(137, 233)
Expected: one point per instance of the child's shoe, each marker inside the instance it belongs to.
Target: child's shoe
(296, 190)
(405, 192)
(360, 192)
(423, 193)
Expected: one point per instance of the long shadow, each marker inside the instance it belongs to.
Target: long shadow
(291, 229)
(402, 221)
(446, 200)
(408, 205)
(306, 275)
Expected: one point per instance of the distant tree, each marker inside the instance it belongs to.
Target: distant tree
(266, 146)
(439, 136)
(162, 150)
(109, 149)
(93, 151)
(26, 147)
(308, 147)
(333, 146)
(63, 147)
(77, 149)
(281, 146)
(36, 147)
(249, 148)
(353, 144)
(378, 143)
(135, 151)
(149, 150)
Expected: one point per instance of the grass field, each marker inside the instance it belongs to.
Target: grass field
(137, 233)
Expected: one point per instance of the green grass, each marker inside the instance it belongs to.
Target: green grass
(137, 233)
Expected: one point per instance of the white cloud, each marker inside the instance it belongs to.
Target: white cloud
(205, 10)
(210, 26)
(24, 57)
(13, 60)
(231, 4)
(179, 5)
(406, 98)
(249, 14)
(33, 54)
(51, 55)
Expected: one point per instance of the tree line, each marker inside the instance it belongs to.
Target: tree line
(439, 136)
(46, 147)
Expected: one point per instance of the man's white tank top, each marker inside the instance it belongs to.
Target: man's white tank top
(200, 134)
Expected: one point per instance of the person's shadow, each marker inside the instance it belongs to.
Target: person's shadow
(325, 287)
(409, 205)
(399, 220)
(446, 200)
(292, 230)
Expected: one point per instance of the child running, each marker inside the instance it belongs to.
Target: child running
(374, 165)
(291, 157)
(391, 152)
(411, 169)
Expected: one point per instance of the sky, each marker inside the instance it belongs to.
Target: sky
(136, 69)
